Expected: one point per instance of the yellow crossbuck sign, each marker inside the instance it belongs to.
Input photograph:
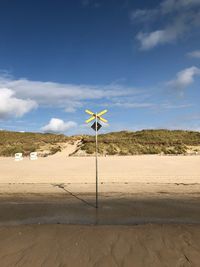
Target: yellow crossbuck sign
(96, 126)
(96, 115)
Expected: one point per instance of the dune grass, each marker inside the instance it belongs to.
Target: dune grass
(13, 142)
(144, 142)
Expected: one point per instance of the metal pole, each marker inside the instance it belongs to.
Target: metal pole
(96, 161)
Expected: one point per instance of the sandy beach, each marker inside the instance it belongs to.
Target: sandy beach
(149, 212)
(63, 169)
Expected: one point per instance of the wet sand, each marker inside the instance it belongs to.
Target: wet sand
(119, 208)
(156, 228)
(107, 246)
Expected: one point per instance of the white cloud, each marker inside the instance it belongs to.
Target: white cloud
(184, 78)
(175, 106)
(158, 106)
(164, 8)
(150, 40)
(133, 105)
(194, 54)
(179, 17)
(73, 106)
(11, 106)
(169, 6)
(56, 125)
(143, 15)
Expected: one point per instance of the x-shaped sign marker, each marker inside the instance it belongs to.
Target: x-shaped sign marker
(96, 115)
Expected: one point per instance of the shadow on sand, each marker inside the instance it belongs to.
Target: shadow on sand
(62, 186)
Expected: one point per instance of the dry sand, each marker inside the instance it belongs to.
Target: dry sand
(149, 212)
(63, 169)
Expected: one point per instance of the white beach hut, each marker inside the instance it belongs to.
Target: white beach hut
(18, 156)
(33, 156)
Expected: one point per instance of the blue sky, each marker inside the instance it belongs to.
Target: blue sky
(138, 59)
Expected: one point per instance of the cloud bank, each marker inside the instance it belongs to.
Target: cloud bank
(25, 95)
(20, 96)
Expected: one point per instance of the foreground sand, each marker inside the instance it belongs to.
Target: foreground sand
(107, 246)
(146, 229)
(149, 212)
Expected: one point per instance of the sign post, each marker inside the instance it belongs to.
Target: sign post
(96, 126)
(96, 154)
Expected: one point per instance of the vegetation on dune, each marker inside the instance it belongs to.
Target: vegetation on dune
(13, 142)
(116, 143)
(143, 142)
